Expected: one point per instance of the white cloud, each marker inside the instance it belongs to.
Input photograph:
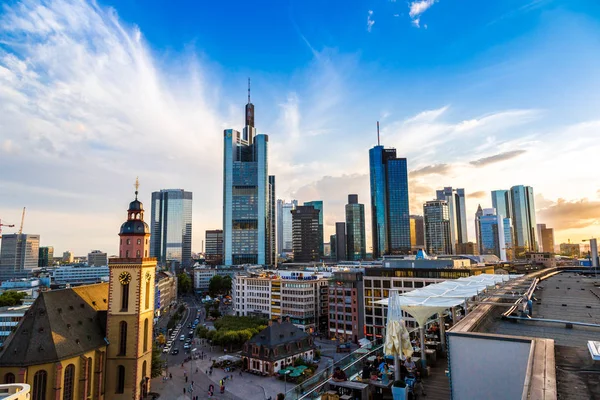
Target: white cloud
(417, 8)
(370, 21)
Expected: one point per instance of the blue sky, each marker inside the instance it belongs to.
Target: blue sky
(94, 94)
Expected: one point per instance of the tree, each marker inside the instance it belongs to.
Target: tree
(11, 298)
(219, 285)
(161, 339)
(157, 363)
(184, 283)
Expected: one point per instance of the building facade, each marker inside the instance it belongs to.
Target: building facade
(68, 257)
(389, 202)
(523, 219)
(356, 247)
(284, 227)
(501, 201)
(436, 218)
(19, 255)
(97, 258)
(213, 253)
(165, 292)
(305, 234)
(171, 226)
(9, 319)
(46, 256)
(346, 306)
(417, 232)
(455, 198)
(73, 274)
(203, 275)
(246, 195)
(318, 205)
(495, 234)
(340, 241)
(570, 250)
(272, 231)
(545, 238)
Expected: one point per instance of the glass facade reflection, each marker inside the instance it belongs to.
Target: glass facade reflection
(502, 203)
(389, 202)
(495, 234)
(458, 217)
(523, 218)
(355, 229)
(171, 226)
(436, 219)
(284, 226)
(318, 205)
(18, 255)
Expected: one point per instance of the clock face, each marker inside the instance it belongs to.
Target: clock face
(148, 276)
(124, 278)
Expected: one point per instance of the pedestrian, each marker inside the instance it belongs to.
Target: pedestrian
(240, 372)
(192, 383)
(196, 369)
(186, 379)
(183, 390)
(170, 376)
(222, 389)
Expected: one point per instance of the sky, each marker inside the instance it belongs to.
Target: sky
(480, 95)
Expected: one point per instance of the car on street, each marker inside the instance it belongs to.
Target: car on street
(182, 338)
(187, 346)
(175, 352)
(166, 349)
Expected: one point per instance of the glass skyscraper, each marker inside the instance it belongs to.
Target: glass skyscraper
(501, 202)
(318, 205)
(495, 234)
(356, 248)
(390, 216)
(436, 218)
(171, 226)
(523, 218)
(284, 226)
(458, 218)
(248, 196)
(19, 255)
(305, 233)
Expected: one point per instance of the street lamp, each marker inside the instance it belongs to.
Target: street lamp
(593, 254)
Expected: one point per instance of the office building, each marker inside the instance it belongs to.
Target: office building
(545, 238)
(213, 253)
(171, 227)
(333, 246)
(495, 234)
(284, 227)
(10, 317)
(502, 203)
(570, 250)
(68, 257)
(356, 247)
(80, 274)
(271, 231)
(341, 251)
(478, 214)
(436, 218)
(455, 198)
(523, 219)
(46, 256)
(165, 292)
(417, 232)
(305, 234)
(97, 258)
(346, 306)
(19, 255)
(390, 217)
(300, 295)
(318, 205)
(203, 274)
(469, 248)
(246, 195)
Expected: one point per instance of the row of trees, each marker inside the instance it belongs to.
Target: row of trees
(232, 331)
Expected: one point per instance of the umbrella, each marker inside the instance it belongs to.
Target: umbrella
(397, 339)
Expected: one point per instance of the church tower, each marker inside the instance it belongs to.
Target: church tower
(130, 310)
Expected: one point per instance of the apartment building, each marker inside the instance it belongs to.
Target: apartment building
(346, 306)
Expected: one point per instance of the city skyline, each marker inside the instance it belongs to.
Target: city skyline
(463, 113)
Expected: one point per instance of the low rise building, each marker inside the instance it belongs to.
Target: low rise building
(203, 275)
(9, 319)
(570, 250)
(276, 347)
(80, 274)
(546, 259)
(346, 306)
(97, 259)
(165, 288)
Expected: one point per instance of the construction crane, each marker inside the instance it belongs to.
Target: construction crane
(1, 225)
(22, 220)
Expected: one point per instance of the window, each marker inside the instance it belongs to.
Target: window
(128, 241)
(68, 385)
(137, 253)
(147, 295)
(89, 376)
(122, 338)
(9, 378)
(120, 379)
(146, 334)
(139, 241)
(144, 365)
(39, 385)
(125, 297)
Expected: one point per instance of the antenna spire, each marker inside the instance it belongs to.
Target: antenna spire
(248, 90)
(378, 133)
(137, 186)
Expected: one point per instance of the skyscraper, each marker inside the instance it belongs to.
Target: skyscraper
(18, 255)
(171, 226)
(457, 211)
(545, 238)
(495, 234)
(523, 218)
(478, 214)
(213, 254)
(436, 217)
(305, 233)
(501, 202)
(271, 232)
(246, 195)
(46, 256)
(318, 205)
(284, 226)
(356, 248)
(340, 241)
(417, 232)
(389, 202)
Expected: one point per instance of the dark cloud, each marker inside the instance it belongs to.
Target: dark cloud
(482, 162)
(439, 169)
(571, 214)
(477, 195)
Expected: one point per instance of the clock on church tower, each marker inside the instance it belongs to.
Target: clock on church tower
(130, 309)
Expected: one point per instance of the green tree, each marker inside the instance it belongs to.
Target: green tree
(226, 285)
(184, 283)
(11, 298)
(215, 313)
(157, 363)
(214, 285)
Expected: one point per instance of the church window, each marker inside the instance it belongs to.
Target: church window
(144, 366)
(146, 334)
(9, 378)
(128, 241)
(120, 379)
(147, 294)
(39, 385)
(139, 241)
(89, 376)
(126, 253)
(137, 254)
(69, 380)
(125, 297)
(122, 338)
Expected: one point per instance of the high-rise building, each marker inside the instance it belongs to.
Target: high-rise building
(68, 257)
(97, 258)
(213, 252)
(271, 231)
(457, 211)
(356, 247)
(478, 214)
(18, 255)
(305, 234)
(318, 205)
(333, 245)
(417, 232)
(502, 203)
(523, 219)
(246, 195)
(389, 202)
(341, 252)
(545, 238)
(284, 226)
(495, 234)
(346, 306)
(46, 256)
(436, 217)
(171, 226)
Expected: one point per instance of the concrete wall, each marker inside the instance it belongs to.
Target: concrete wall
(483, 367)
